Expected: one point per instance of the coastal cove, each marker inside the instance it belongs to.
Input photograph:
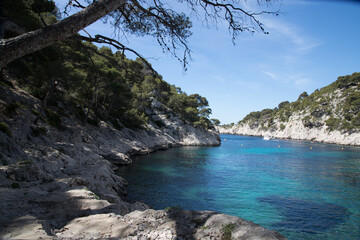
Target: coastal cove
(58, 182)
(300, 189)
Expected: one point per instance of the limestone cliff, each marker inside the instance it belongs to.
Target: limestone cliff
(59, 183)
(330, 115)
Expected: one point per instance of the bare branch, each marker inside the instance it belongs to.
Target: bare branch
(119, 46)
(140, 17)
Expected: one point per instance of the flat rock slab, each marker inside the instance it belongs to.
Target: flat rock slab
(161, 224)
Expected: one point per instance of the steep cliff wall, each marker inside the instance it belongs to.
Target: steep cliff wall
(331, 115)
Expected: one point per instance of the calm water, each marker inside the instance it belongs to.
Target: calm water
(303, 190)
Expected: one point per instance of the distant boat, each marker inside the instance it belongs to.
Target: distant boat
(268, 137)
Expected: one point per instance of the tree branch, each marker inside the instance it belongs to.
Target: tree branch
(119, 46)
(13, 48)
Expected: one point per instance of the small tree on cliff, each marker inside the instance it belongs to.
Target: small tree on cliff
(302, 96)
(140, 17)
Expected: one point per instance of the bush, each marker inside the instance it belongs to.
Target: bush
(172, 208)
(5, 128)
(227, 231)
(282, 126)
(356, 121)
(333, 123)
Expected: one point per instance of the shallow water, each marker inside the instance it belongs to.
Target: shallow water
(302, 190)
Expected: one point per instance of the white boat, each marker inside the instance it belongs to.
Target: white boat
(268, 137)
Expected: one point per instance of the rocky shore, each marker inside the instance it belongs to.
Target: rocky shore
(295, 129)
(60, 183)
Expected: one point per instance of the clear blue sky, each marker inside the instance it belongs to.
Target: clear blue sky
(310, 44)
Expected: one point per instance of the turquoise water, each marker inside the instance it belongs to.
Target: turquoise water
(302, 190)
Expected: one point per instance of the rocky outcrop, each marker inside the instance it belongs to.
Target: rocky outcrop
(330, 115)
(60, 183)
(161, 224)
(296, 129)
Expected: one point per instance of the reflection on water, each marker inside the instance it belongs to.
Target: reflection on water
(303, 190)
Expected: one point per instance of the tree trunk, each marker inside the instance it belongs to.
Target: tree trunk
(13, 48)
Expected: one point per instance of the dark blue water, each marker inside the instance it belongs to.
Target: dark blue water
(302, 190)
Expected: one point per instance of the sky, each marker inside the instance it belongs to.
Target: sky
(310, 43)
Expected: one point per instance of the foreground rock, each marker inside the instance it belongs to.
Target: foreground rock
(60, 184)
(172, 224)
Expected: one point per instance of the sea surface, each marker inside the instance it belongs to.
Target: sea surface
(301, 189)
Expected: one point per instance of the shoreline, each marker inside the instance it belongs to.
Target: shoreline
(292, 139)
(320, 135)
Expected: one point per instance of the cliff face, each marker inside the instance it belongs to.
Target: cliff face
(330, 115)
(60, 183)
(295, 129)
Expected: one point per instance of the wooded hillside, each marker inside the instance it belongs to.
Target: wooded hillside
(97, 83)
(337, 106)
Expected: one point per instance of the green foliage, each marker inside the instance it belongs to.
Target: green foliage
(229, 125)
(227, 231)
(172, 208)
(192, 108)
(283, 104)
(5, 128)
(302, 96)
(215, 122)
(333, 123)
(20, 12)
(263, 128)
(345, 117)
(97, 83)
(253, 116)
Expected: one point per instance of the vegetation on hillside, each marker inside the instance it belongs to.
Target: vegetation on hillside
(94, 83)
(337, 106)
